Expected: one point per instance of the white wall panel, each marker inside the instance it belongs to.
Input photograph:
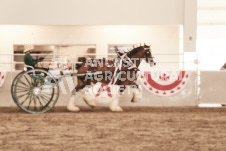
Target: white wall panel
(212, 32)
(211, 4)
(186, 97)
(91, 12)
(164, 39)
(212, 87)
(209, 16)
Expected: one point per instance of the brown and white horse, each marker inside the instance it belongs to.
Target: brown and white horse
(115, 72)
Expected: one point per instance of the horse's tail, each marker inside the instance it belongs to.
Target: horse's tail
(81, 60)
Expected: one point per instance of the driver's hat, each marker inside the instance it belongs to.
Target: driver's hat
(28, 47)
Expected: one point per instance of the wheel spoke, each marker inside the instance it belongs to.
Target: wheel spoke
(30, 79)
(48, 97)
(45, 99)
(40, 102)
(34, 102)
(29, 102)
(21, 90)
(34, 83)
(25, 99)
(27, 80)
(20, 96)
(24, 83)
(22, 87)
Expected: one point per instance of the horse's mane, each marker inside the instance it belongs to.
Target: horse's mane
(134, 50)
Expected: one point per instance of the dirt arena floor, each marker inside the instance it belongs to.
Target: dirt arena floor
(137, 128)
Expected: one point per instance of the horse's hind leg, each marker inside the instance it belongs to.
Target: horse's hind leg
(87, 98)
(114, 106)
(71, 104)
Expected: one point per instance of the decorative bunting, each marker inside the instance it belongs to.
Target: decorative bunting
(164, 83)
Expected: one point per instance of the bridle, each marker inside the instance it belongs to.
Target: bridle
(147, 54)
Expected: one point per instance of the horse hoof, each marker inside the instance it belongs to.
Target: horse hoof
(133, 99)
(136, 98)
(116, 109)
(93, 106)
(73, 108)
(89, 102)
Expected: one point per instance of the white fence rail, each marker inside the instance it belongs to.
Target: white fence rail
(203, 86)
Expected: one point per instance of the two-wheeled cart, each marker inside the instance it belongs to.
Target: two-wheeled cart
(36, 90)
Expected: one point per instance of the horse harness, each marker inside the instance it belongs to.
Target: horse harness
(123, 57)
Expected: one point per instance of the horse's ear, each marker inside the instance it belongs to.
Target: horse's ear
(149, 45)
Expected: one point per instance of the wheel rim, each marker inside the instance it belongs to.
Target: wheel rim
(36, 91)
(13, 86)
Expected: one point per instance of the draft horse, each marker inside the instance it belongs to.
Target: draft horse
(125, 65)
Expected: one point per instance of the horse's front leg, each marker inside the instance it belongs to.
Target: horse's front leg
(136, 92)
(114, 106)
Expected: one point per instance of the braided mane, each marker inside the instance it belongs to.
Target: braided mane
(133, 51)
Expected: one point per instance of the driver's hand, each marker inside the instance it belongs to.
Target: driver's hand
(40, 59)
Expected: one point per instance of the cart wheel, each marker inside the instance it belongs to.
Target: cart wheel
(35, 91)
(14, 83)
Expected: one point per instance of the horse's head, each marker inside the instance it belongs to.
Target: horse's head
(143, 52)
(148, 55)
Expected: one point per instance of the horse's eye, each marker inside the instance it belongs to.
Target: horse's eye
(148, 52)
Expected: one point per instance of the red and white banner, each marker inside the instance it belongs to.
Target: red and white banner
(2, 78)
(165, 83)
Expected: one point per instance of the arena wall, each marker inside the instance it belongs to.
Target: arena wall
(100, 23)
(212, 87)
(92, 12)
(101, 12)
(185, 97)
(164, 39)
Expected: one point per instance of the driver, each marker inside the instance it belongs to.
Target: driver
(28, 60)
